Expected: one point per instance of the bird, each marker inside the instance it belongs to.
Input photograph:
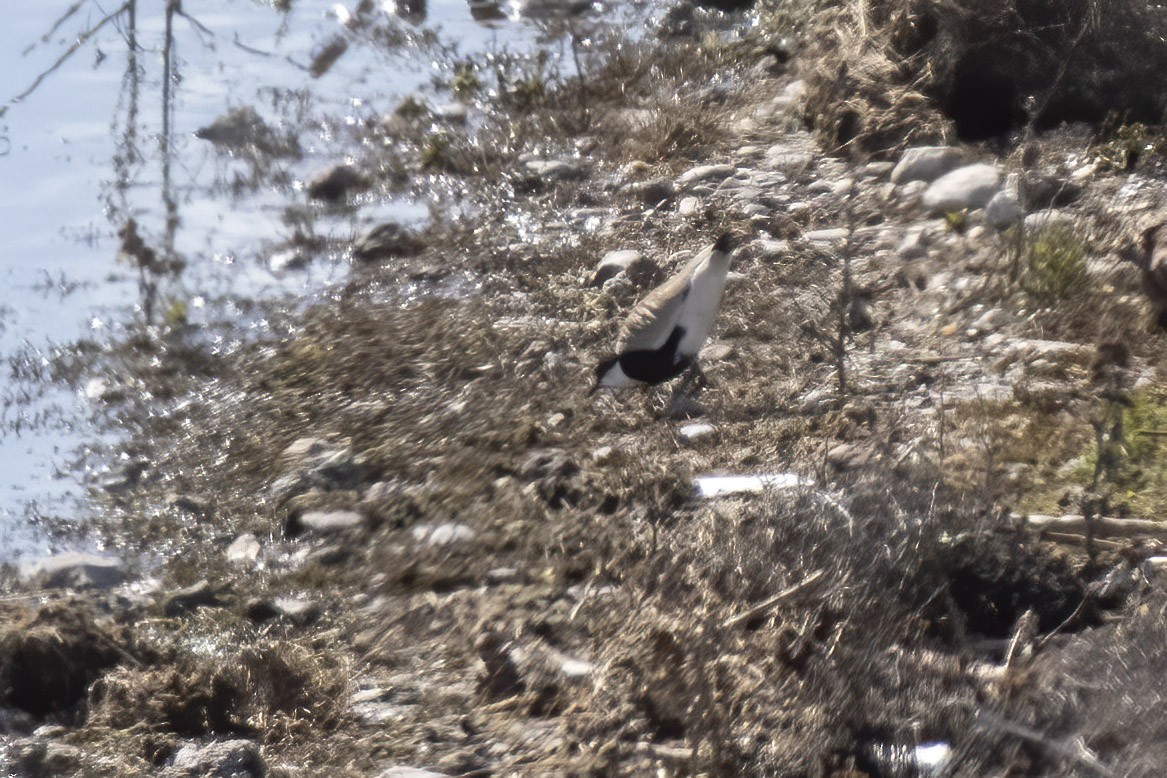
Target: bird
(663, 333)
(1151, 257)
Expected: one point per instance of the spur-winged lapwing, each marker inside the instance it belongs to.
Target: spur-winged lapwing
(664, 332)
(1151, 257)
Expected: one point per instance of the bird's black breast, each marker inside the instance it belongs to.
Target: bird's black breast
(659, 365)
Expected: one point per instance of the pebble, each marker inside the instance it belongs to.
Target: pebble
(706, 173)
(555, 169)
(709, 486)
(442, 534)
(1003, 211)
(689, 206)
(830, 235)
(691, 433)
(454, 113)
(408, 772)
(324, 522)
(244, 550)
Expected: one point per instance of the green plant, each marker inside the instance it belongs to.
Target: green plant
(1126, 144)
(435, 151)
(1052, 263)
(465, 81)
(957, 221)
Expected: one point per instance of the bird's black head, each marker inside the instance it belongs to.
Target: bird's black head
(725, 243)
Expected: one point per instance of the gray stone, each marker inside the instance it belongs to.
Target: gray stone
(389, 239)
(554, 169)
(876, 169)
(223, 759)
(926, 163)
(615, 262)
(706, 173)
(1003, 211)
(199, 595)
(408, 772)
(454, 113)
(849, 456)
(324, 522)
(442, 534)
(830, 235)
(300, 612)
(336, 183)
(39, 758)
(912, 246)
(787, 160)
(76, 570)
(312, 463)
(689, 206)
(968, 187)
(244, 550)
(655, 193)
(791, 96)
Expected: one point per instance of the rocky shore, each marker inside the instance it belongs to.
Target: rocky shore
(405, 540)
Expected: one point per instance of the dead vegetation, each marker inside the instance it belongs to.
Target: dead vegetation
(905, 72)
(601, 620)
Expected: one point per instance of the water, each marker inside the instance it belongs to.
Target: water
(86, 150)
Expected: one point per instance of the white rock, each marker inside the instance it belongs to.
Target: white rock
(692, 433)
(926, 163)
(442, 534)
(831, 235)
(1003, 211)
(709, 486)
(243, 549)
(689, 206)
(325, 522)
(968, 187)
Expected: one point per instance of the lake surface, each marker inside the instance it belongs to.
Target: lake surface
(85, 150)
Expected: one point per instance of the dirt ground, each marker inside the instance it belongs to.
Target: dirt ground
(406, 535)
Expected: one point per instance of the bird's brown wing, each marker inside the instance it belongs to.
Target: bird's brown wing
(654, 318)
(1154, 263)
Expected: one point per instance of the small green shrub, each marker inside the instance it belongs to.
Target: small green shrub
(1053, 264)
(465, 81)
